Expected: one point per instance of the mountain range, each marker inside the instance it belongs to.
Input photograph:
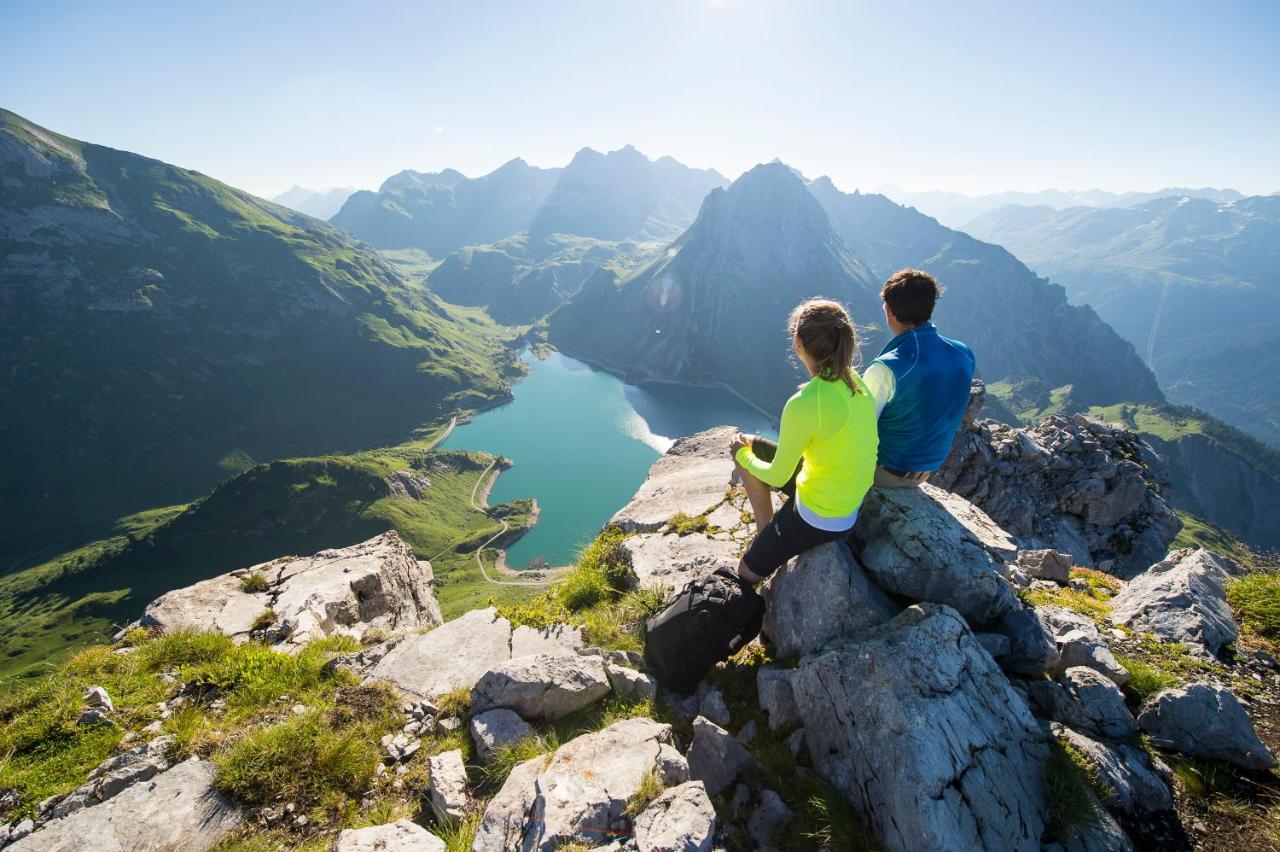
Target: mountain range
(957, 209)
(621, 195)
(160, 330)
(320, 203)
(1190, 282)
(709, 309)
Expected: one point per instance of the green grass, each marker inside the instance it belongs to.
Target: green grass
(1145, 680)
(1199, 533)
(1255, 600)
(1070, 794)
(1031, 400)
(295, 506)
(684, 524)
(253, 582)
(650, 788)
(1086, 603)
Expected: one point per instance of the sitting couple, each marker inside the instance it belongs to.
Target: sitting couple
(841, 433)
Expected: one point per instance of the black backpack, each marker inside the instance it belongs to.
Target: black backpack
(708, 621)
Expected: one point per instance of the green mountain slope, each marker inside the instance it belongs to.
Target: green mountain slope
(294, 506)
(159, 329)
(1191, 282)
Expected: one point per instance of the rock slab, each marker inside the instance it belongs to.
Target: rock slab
(177, 809)
(542, 687)
(930, 545)
(399, 836)
(1180, 599)
(917, 725)
(1205, 720)
(681, 819)
(691, 477)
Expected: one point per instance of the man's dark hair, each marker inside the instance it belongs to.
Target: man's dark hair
(911, 295)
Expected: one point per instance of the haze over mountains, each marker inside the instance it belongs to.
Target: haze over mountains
(1191, 282)
(159, 329)
(320, 203)
(957, 209)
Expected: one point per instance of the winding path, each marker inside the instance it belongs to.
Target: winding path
(475, 504)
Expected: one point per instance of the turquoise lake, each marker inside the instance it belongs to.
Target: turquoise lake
(582, 440)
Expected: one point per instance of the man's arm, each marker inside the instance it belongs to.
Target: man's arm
(881, 383)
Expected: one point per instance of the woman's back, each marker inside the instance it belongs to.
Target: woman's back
(840, 455)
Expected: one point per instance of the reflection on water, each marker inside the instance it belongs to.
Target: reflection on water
(582, 442)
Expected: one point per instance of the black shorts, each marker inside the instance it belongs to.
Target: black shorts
(788, 534)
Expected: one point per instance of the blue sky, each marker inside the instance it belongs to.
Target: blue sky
(971, 96)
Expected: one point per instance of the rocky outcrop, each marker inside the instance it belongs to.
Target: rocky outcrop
(968, 777)
(399, 836)
(112, 777)
(819, 596)
(929, 545)
(691, 477)
(715, 757)
(456, 654)
(543, 687)
(1073, 484)
(1182, 598)
(580, 793)
(1126, 774)
(670, 561)
(1205, 720)
(177, 809)
(1078, 643)
(377, 585)
(681, 819)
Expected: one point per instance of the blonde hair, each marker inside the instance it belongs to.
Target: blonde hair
(829, 339)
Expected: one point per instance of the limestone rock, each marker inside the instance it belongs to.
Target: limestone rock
(1045, 564)
(670, 561)
(1079, 643)
(399, 836)
(558, 639)
(579, 793)
(113, 776)
(1073, 484)
(711, 704)
(376, 585)
(715, 757)
(1180, 599)
(930, 545)
(543, 687)
(493, 730)
(1124, 772)
(448, 785)
(630, 684)
(1031, 649)
(767, 820)
(1101, 701)
(1205, 720)
(819, 596)
(1105, 835)
(681, 819)
(96, 696)
(177, 809)
(452, 656)
(691, 477)
(777, 698)
(919, 728)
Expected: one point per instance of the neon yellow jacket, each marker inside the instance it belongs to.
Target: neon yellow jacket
(834, 431)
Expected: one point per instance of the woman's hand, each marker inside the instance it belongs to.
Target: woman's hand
(739, 441)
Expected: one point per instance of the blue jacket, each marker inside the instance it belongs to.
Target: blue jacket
(931, 375)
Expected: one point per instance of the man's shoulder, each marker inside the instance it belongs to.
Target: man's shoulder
(958, 345)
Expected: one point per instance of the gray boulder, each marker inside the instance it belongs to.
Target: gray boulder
(399, 836)
(715, 757)
(1101, 702)
(112, 777)
(930, 545)
(376, 585)
(453, 655)
(1180, 599)
(691, 477)
(1045, 564)
(670, 561)
(767, 820)
(494, 730)
(1131, 782)
(177, 809)
(1031, 649)
(580, 793)
(556, 640)
(1205, 720)
(921, 730)
(1079, 643)
(681, 819)
(819, 596)
(1104, 835)
(711, 704)
(630, 684)
(777, 699)
(448, 792)
(542, 687)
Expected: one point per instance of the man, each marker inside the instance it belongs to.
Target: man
(920, 381)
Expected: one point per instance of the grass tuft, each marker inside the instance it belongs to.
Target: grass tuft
(684, 524)
(509, 757)
(1255, 599)
(650, 788)
(1069, 792)
(254, 581)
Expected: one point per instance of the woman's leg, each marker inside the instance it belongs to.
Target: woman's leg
(758, 493)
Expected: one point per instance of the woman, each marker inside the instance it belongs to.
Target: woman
(828, 431)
